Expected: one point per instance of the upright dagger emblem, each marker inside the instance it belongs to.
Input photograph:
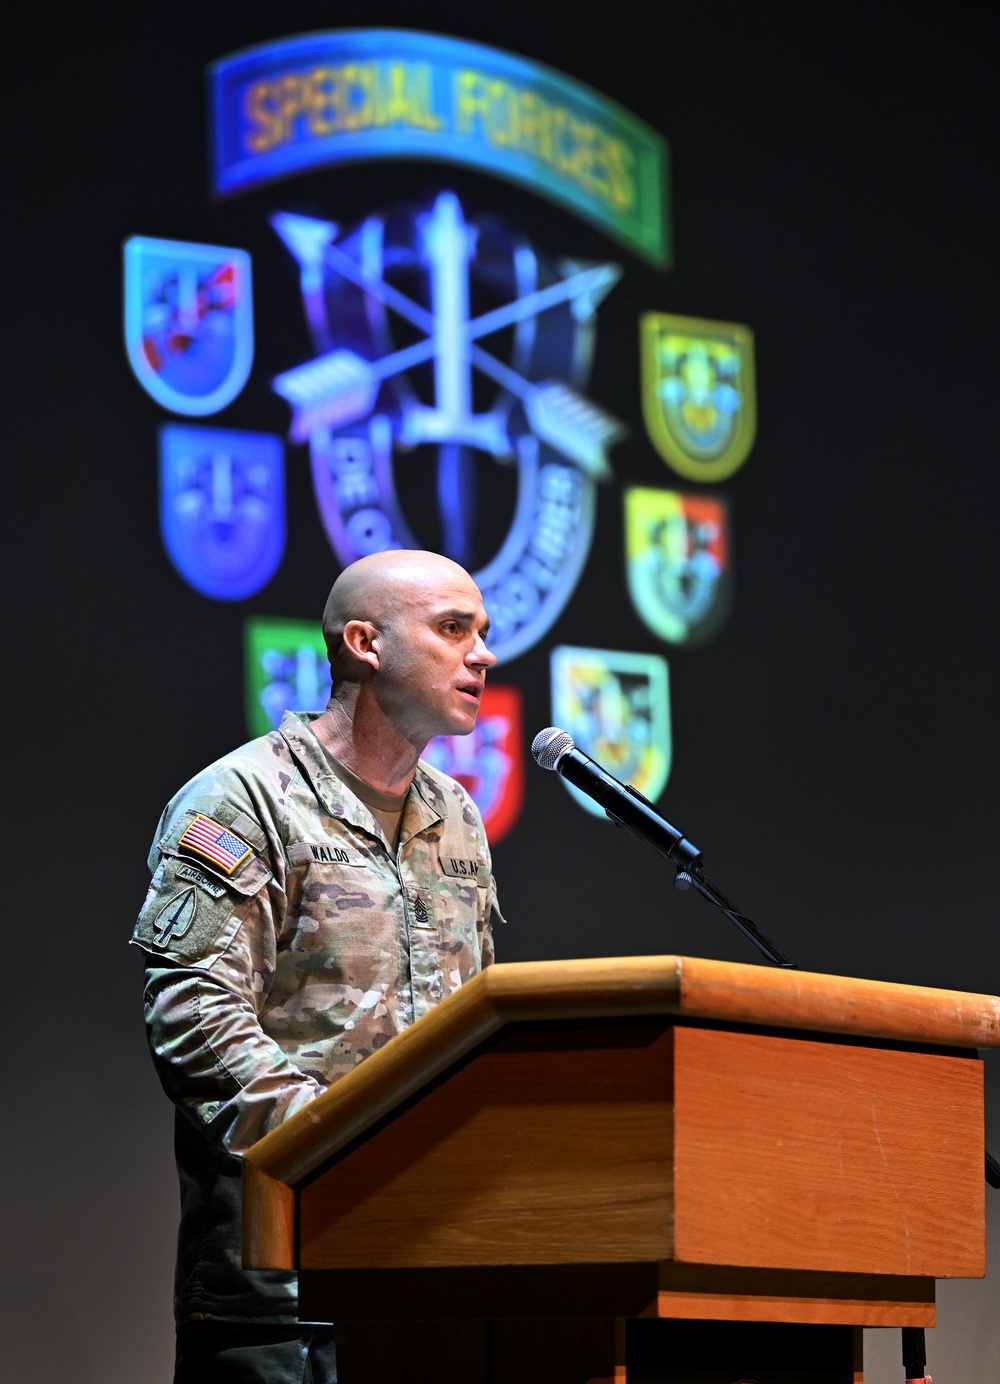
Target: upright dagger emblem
(362, 399)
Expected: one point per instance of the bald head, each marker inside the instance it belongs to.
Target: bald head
(383, 589)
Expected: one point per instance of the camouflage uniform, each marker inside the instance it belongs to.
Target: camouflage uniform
(276, 971)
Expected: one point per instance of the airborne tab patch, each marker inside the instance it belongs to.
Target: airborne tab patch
(214, 842)
(211, 886)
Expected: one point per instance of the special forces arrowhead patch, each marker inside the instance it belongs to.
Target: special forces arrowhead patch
(214, 842)
(698, 393)
(176, 916)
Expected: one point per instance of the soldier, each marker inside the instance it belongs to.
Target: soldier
(314, 892)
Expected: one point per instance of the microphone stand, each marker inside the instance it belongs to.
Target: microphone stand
(687, 858)
(695, 878)
(690, 875)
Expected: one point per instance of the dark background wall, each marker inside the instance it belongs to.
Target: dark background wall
(834, 750)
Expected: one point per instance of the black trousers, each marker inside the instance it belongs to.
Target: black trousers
(214, 1352)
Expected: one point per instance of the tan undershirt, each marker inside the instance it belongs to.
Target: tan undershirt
(386, 808)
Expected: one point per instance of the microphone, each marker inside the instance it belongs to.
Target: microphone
(553, 748)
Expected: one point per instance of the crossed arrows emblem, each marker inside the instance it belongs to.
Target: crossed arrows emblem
(340, 387)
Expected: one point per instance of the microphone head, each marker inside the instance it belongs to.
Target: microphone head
(549, 746)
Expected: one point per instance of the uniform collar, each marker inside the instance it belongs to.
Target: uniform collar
(424, 802)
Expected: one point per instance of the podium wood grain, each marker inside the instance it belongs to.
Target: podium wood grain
(685, 1144)
(688, 987)
(588, 1141)
(797, 1154)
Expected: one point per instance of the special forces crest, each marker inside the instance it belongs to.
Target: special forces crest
(698, 393)
(445, 404)
(222, 508)
(616, 707)
(678, 562)
(454, 341)
(287, 670)
(188, 322)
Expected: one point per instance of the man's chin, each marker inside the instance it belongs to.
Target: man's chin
(464, 724)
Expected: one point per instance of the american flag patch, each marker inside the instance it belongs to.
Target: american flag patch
(213, 842)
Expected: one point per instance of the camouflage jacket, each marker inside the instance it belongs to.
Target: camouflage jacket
(285, 943)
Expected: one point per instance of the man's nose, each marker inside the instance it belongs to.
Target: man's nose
(480, 656)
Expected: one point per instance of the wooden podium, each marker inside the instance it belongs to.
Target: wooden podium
(764, 1160)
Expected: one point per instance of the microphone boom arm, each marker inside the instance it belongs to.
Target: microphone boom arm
(687, 858)
(624, 805)
(684, 879)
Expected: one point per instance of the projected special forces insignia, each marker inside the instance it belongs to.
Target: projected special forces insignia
(698, 395)
(677, 558)
(286, 670)
(222, 508)
(489, 763)
(188, 322)
(616, 706)
(453, 335)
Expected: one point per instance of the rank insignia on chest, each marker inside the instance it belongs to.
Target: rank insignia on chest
(422, 916)
(214, 842)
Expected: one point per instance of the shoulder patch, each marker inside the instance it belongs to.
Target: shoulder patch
(175, 917)
(212, 886)
(192, 917)
(212, 841)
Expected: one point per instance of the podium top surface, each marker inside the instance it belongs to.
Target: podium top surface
(616, 987)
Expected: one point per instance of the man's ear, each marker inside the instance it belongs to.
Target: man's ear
(361, 642)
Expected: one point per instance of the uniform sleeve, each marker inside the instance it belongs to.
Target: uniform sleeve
(213, 1059)
(210, 935)
(488, 914)
(491, 914)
